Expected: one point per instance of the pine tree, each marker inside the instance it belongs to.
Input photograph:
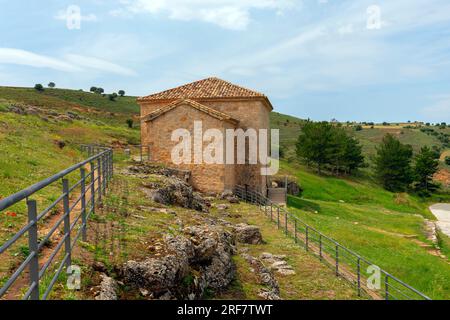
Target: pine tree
(393, 164)
(425, 166)
(315, 143)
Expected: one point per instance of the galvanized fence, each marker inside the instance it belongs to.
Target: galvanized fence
(370, 281)
(77, 203)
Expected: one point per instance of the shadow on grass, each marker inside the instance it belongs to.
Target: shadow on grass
(302, 204)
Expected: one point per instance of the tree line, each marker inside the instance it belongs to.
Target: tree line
(330, 147)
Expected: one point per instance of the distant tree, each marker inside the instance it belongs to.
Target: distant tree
(425, 166)
(314, 143)
(130, 123)
(112, 96)
(447, 161)
(121, 93)
(329, 146)
(51, 85)
(100, 91)
(359, 127)
(393, 164)
(93, 89)
(39, 87)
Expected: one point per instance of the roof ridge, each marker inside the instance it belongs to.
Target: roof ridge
(208, 88)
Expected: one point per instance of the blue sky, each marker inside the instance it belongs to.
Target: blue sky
(314, 58)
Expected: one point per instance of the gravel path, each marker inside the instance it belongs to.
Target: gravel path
(442, 213)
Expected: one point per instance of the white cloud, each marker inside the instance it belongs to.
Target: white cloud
(27, 58)
(98, 64)
(439, 110)
(70, 63)
(228, 14)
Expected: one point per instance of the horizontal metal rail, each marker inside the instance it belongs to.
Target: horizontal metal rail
(347, 263)
(92, 185)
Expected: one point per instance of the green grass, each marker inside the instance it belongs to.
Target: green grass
(71, 99)
(385, 228)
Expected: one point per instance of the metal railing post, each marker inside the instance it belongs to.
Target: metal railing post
(83, 203)
(359, 276)
(307, 239)
(320, 247)
(337, 261)
(99, 181)
(67, 242)
(33, 248)
(295, 231)
(92, 165)
(386, 289)
(104, 179)
(278, 215)
(286, 222)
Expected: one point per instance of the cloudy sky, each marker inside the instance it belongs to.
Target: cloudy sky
(377, 60)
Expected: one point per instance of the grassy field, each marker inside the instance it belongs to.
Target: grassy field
(386, 228)
(30, 151)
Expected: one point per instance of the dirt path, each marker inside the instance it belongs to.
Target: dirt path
(442, 212)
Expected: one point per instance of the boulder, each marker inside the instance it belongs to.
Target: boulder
(200, 258)
(248, 234)
(108, 289)
(177, 192)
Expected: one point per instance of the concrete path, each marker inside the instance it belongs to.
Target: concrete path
(442, 212)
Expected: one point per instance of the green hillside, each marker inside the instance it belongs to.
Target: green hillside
(387, 228)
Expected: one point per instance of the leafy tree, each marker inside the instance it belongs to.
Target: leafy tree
(93, 89)
(314, 143)
(130, 123)
(447, 161)
(39, 87)
(393, 164)
(51, 85)
(100, 91)
(425, 166)
(359, 127)
(352, 154)
(112, 96)
(121, 93)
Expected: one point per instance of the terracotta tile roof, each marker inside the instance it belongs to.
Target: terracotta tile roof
(213, 113)
(209, 88)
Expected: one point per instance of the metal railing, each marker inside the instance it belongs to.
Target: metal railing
(371, 281)
(89, 189)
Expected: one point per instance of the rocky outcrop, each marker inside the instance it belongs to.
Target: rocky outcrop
(173, 191)
(107, 289)
(248, 234)
(159, 170)
(186, 265)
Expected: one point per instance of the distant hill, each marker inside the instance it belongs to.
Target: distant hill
(60, 98)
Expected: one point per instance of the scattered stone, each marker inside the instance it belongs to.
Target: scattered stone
(266, 278)
(248, 234)
(108, 289)
(278, 264)
(99, 266)
(222, 207)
